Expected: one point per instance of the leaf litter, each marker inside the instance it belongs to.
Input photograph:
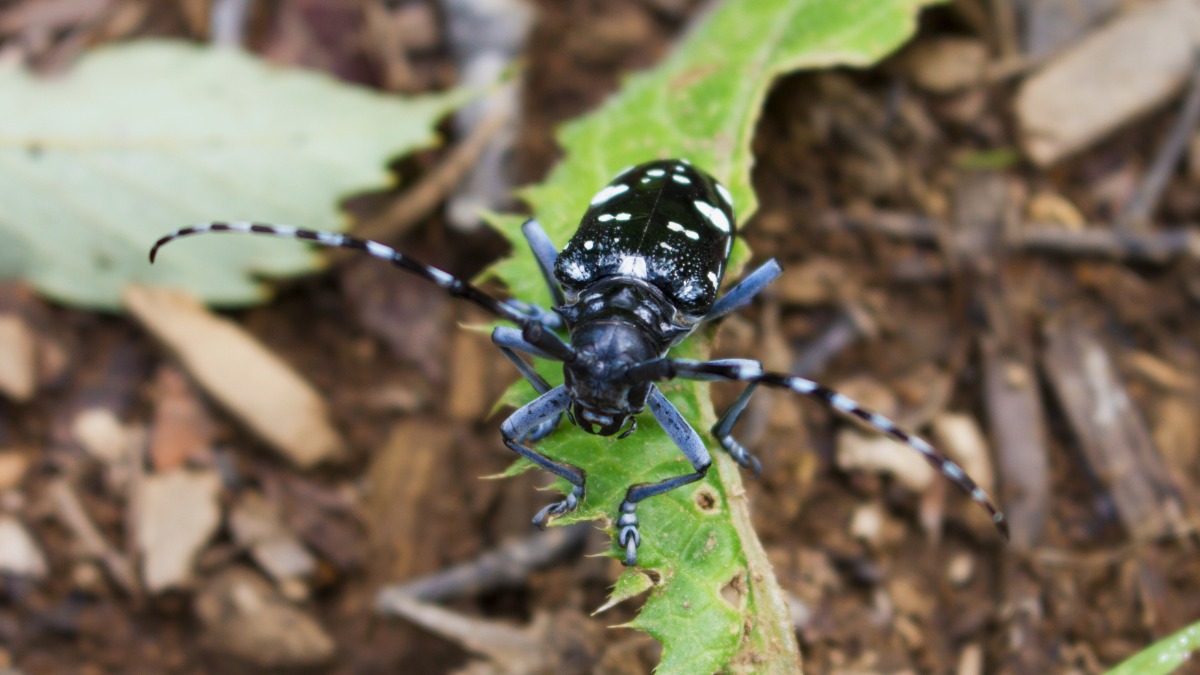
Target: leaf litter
(878, 603)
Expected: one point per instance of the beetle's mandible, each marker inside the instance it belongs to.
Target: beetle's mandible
(641, 274)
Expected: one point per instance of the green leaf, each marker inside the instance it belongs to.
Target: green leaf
(1164, 656)
(717, 604)
(147, 137)
(631, 583)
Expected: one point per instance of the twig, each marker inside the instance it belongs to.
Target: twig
(1004, 21)
(227, 22)
(505, 566)
(384, 32)
(72, 515)
(1136, 214)
(1113, 436)
(1094, 239)
(851, 324)
(419, 201)
(1160, 247)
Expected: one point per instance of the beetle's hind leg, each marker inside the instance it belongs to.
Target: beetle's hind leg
(723, 429)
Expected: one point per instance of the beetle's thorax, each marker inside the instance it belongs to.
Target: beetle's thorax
(617, 323)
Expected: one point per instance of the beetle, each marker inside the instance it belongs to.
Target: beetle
(641, 274)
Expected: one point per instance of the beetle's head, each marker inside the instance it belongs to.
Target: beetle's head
(603, 399)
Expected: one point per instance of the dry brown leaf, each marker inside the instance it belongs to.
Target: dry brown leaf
(177, 512)
(238, 371)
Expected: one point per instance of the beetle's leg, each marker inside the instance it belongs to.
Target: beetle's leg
(692, 447)
(518, 427)
(509, 341)
(546, 254)
(723, 429)
(740, 295)
(746, 370)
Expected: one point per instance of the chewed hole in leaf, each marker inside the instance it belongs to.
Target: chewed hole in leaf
(734, 591)
(705, 499)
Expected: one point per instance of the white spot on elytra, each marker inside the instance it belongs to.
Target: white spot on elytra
(713, 278)
(622, 217)
(655, 173)
(676, 227)
(666, 246)
(725, 195)
(589, 244)
(690, 291)
(646, 180)
(605, 217)
(575, 271)
(633, 265)
(608, 193)
(713, 214)
(682, 180)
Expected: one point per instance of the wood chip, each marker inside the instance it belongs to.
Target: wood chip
(177, 513)
(18, 358)
(1051, 208)
(944, 65)
(20, 555)
(251, 382)
(13, 465)
(1015, 417)
(1050, 25)
(246, 618)
(182, 430)
(102, 435)
(89, 542)
(1115, 75)
(257, 526)
(859, 451)
(1111, 432)
(960, 437)
(819, 282)
(1161, 372)
(468, 398)
(404, 479)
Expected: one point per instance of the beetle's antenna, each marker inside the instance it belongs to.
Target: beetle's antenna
(533, 330)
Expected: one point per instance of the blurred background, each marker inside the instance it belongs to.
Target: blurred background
(990, 237)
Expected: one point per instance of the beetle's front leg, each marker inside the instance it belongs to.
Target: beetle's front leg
(517, 428)
(692, 447)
